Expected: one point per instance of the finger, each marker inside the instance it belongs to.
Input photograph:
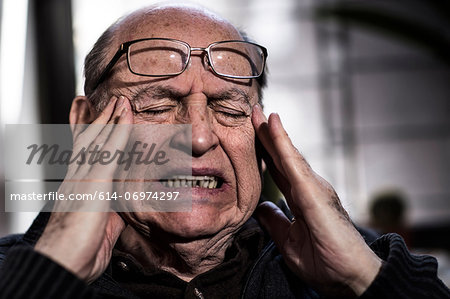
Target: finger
(315, 197)
(82, 143)
(301, 184)
(122, 104)
(113, 109)
(292, 161)
(113, 106)
(115, 226)
(119, 116)
(79, 125)
(261, 126)
(116, 141)
(102, 118)
(273, 220)
(269, 152)
(103, 132)
(279, 179)
(294, 165)
(127, 117)
(83, 135)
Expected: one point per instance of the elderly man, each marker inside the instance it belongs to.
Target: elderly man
(217, 249)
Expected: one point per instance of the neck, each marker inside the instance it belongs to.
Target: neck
(185, 259)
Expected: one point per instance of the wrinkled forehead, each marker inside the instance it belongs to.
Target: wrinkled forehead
(195, 26)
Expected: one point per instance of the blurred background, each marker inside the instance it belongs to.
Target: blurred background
(363, 88)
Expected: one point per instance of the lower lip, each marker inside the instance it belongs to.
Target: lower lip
(196, 191)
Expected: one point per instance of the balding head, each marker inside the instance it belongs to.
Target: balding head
(178, 19)
(183, 22)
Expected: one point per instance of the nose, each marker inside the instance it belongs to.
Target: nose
(204, 138)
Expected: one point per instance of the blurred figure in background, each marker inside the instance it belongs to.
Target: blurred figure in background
(388, 211)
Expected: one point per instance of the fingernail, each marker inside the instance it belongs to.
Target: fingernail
(259, 108)
(121, 101)
(277, 117)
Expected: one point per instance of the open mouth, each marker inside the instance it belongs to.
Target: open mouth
(193, 181)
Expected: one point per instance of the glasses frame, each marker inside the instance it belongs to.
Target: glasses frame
(125, 47)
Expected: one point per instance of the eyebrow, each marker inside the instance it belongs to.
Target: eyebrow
(232, 94)
(155, 92)
(161, 92)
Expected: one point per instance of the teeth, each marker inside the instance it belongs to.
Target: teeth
(209, 182)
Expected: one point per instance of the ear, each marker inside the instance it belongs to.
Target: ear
(82, 111)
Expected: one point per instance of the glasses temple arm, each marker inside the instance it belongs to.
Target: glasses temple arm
(123, 49)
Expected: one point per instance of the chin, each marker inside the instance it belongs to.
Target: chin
(201, 222)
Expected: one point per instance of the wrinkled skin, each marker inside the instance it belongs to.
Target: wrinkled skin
(320, 246)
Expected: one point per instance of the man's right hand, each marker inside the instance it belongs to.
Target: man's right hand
(82, 242)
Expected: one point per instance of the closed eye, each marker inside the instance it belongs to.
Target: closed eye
(235, 114)
(155, 110)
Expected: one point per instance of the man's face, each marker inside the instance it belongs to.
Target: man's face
(223, 138)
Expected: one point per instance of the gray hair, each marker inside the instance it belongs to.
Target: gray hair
(94, 64)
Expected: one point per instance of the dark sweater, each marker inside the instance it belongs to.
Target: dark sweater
(259, 273)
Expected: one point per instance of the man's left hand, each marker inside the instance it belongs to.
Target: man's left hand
(320, 245)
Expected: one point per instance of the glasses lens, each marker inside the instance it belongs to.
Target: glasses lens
(157, 57)
(239, 59)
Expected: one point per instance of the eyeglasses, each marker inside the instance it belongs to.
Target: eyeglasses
(159, 57)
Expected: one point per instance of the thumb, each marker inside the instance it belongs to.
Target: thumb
(114, 227)
(273, 220)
